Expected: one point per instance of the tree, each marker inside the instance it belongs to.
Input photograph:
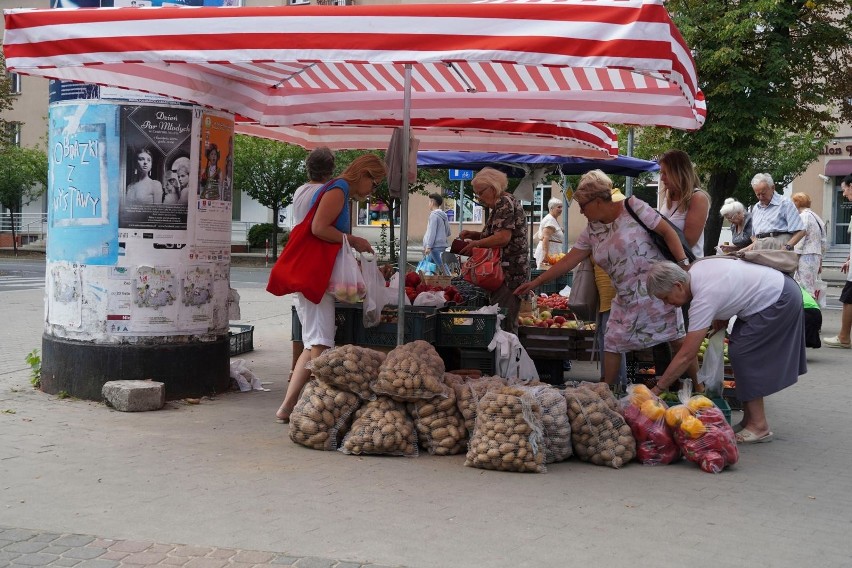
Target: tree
(6, 95)
(775, 74)
(23, 177)
(270, 172)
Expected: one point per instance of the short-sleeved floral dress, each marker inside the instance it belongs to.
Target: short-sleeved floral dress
(624, 249)
(508, 214)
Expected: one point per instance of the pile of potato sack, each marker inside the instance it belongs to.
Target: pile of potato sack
(362, 401)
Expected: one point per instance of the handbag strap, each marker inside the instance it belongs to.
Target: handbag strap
(821, 230)
(320, 192)
(634, 215)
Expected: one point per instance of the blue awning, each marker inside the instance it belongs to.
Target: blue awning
(511, 163)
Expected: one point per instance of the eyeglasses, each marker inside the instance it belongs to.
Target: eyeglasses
(482, 192)
(376, 183)
(583, 205)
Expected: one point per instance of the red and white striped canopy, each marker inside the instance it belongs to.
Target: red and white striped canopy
(574, 61)
(582, 140)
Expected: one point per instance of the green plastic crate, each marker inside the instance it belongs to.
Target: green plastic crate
(471, 331)
(481, 359)
(554, 286)
(724, 407)
(241, 338)
(420, 323)
(345, 316)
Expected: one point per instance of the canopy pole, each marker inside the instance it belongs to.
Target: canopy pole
(461, 206)
(403, 207)
(628, 185)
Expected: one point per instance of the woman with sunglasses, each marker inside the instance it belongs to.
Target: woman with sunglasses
(331, 222)
(506, 228)
(624, 249)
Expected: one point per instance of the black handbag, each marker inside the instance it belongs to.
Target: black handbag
(659, 240)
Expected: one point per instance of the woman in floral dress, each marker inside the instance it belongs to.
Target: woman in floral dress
(624, 249)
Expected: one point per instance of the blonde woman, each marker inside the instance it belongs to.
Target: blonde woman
(686, 206)
(331, 223)
(811, 248)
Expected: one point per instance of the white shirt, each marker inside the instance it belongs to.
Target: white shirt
(677, 216)
(723, 288)
(302, 201)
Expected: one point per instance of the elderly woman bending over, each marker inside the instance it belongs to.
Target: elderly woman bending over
(624, 249)
(506, 228)
(767, 344)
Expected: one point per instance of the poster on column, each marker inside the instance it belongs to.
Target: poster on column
(81, 214)
(65, 295)
(155, 141)
(215, 178)
(154, 307)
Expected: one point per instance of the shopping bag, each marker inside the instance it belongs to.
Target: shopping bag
(346, 283)
(306, 263)
(583, 299)
(712, 369)
(820, 291)
(484, 269)
(426, 266)
(376, 291)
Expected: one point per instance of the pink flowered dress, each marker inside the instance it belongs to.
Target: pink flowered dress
(625, 251)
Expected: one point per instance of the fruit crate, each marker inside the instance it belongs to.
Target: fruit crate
(481, 359)
(473, 295)
(554, 286)
(241, 338)
(550, 371)
(420, 323)
(345, 318)
(459, 329)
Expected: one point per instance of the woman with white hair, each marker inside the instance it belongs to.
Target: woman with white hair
(735, 212)
(767, 344)
(550, 235)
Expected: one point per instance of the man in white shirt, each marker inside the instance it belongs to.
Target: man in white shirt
(775, 221)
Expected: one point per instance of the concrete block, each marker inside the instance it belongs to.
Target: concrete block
(134, 396)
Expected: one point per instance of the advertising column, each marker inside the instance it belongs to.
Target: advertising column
(138, 253)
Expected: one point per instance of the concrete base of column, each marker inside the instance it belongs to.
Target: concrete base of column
(187, 369)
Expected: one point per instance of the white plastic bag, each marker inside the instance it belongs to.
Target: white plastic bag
(436, 299)
(511, 359)
(820, 292)
(346, 283)
(376, 291)
(712, 369)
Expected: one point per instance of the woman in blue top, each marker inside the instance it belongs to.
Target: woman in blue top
(330, 223)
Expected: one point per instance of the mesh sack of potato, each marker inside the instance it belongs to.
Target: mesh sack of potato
(440, 425)
(508, 432)
(468, 394)
(321, 415)
(556, 427)
(381, 426)
(348, 367)
(411, 372)
(602, 390)
(599, 434)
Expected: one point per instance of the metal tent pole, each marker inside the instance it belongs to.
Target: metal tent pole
(403, 206)
(628, 186)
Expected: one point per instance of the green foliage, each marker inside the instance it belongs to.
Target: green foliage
(7, 99)
(23, 177)
(258, 234)
(771, 72)
(33, 359)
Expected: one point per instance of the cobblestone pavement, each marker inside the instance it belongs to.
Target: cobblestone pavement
(22, 547)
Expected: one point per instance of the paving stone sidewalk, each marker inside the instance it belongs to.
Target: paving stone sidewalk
(23, 547)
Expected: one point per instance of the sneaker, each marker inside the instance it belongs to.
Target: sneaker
(835, 342)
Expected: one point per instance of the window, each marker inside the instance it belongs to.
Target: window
(13, 133)
(14, 83)
(374, 213)
(538, 208)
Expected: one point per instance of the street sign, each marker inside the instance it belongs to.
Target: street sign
(459, 175)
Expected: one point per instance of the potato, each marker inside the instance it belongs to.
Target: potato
(494, 430)
(316, 424)
(383, 427)
(350, 368)
(411, 372)
(440, 432)
(599, 433)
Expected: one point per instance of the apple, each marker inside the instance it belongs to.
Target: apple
(559, 319)
(541, 324)
(544, 315)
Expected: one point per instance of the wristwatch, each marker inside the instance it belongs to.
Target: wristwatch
(788, 247)
(683, 262)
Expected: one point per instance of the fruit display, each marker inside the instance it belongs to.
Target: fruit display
(507, 435)
(552, 302)
(703, 434)
(348, 367)
(411, 372)
(547, 320)
(468, 394)
(599, 434)
(703, 348)
(554, 419)
(440, 425)
(381, 426)
(645, 413)
(552, 259)
(320, 416)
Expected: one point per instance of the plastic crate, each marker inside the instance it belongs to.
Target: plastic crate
(481, 359)
(473, 295)
(550, 371)
(420, 322)
(724, 407)
(456, 329)
(345, 316)
(554, 286)
(241, 338)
